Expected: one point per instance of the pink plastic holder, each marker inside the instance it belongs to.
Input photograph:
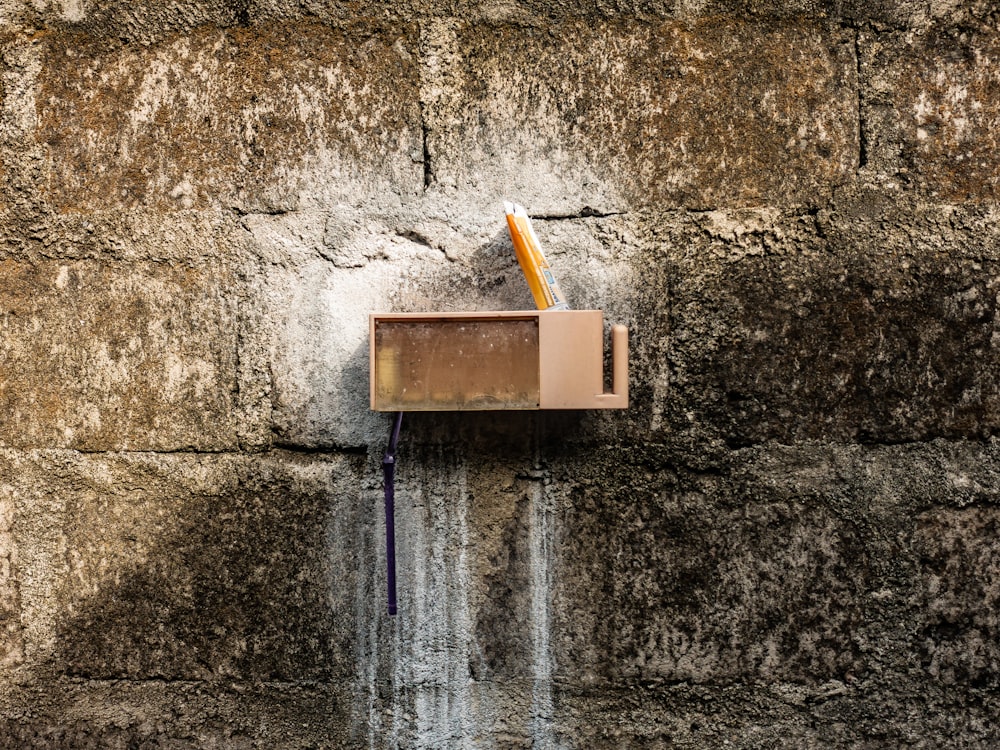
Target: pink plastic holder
(495, 360)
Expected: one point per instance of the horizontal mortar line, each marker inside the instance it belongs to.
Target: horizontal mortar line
(351, 450)
(583, 688)
(800, 210)
(162, 451)
(362, 450)
(653, 683)
(272, 212)
(811, 442)
(583, 214)
(231, 685)
(123, 451)
(873, 443)
(951, 439)
(330, 451)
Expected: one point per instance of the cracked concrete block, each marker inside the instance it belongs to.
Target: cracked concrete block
(151, 22)
(659, 580)
(318, 278)
(189, 567)
(162, 715)
(19, 153)
(930, 105)
(788, 327)
(803, 564)
(11, 643)
(960, 595)
(785, 717)
(101, 356)
(609, 115)
(269, 119)
(313, 337)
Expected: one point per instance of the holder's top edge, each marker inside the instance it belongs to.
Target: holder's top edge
(475, 314)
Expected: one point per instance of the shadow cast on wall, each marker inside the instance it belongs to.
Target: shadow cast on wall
(178, 572)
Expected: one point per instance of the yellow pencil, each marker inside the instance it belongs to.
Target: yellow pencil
(545, 290)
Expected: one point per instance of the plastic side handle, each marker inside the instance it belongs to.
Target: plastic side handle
(618, 398)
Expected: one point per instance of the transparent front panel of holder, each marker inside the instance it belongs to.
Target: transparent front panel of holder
(438, 365)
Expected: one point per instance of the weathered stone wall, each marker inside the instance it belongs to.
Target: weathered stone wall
(790, 540)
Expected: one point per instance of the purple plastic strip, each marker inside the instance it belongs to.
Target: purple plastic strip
(389, 473)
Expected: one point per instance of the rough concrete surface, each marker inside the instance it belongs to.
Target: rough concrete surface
(789, 540)
(698, 114)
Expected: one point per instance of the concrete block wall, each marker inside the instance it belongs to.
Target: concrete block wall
(788, 541)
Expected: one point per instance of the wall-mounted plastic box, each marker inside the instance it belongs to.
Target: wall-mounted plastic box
(494, 360)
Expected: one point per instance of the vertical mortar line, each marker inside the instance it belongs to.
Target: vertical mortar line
(424, 67)
(242, 305)
(862, 138)
(424, 132)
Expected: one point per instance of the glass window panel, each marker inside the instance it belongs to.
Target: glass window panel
(456, 364)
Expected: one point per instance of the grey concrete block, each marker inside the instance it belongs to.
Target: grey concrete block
(711, 114)
(788, 716)
(790, 326)
(804, 564)
(318, 276)
(106, 355)
(176, 716)
(929, 104)
(658, 581)
(959, 594)
(267, 120)
(146, 566)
